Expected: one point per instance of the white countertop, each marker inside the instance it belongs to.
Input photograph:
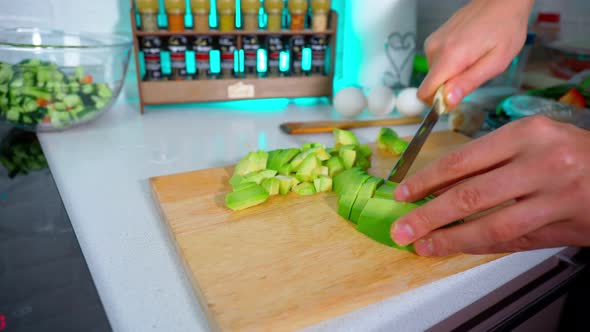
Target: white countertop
(102, 172)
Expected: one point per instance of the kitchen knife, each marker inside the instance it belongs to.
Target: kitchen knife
(401, 168)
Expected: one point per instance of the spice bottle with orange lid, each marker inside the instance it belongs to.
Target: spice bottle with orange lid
(175, 9)
(298, 11)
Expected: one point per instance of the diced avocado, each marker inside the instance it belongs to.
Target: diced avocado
(309, 146)
(322, 170)
(271, 185)
(389, 140)
(344, 137)
(365, 193)
(286, 169)
(377, 217)
(363, 163)
(386, 190)
(348, 197)
(323, 184)
(236, 180)
(258, 177)
(286, 183)
(399, 146)
(246, 198)
(306, 171)
(304, 189)
(253, 162)
(244, 186)
(284, 158)
(335, 166)
(332, 151)
(348, 158)
(365, 150)
(272, 161)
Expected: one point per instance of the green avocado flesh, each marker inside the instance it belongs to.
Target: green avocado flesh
(362, 199)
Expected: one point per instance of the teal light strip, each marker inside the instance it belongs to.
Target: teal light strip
(262, 60)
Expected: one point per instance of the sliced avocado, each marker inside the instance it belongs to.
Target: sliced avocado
(272, 159)
(304, 189)
(235, 180)
(283, 158)
(365, 193)
(286, 169)
(344, 137)
(365, 150)
(377, 217)
(253, 162)
(247, 197)
(362, 162)
(342, 180)
(348, 197)
(386, 190)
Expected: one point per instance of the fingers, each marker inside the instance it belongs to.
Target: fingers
(499, 146)
(475, 195)
(448, 61)
(490, 231)
(467, 81)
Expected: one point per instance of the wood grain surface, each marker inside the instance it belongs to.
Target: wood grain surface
(292, 261)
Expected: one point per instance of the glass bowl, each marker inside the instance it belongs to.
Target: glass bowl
(54, 80)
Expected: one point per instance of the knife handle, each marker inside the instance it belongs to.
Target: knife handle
(316, 127)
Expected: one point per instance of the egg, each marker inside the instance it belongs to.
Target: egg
(350, 101)
(381, 101)
(408, 102)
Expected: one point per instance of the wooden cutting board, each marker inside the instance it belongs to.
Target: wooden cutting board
(292, 261)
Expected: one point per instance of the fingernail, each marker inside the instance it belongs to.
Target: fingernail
(455, 96)
(424, 247)
(402, 192)
(402, 233)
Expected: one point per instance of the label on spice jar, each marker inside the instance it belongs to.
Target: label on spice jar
(177, 46)
(297, 45)
(319, 46)
(202, 46)
(227, 47)
(274, 47)
(251, 47)
(151, 48)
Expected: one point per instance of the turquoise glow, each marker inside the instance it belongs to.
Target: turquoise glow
(213, 15)
(284, 61)
(306, 62)
(238, 14)
(262, 141)
(191, 66)
(261, 60)
(215, 61)
(241, 61)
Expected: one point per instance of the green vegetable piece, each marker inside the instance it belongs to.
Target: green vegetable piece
(323, 184)
(271, 185)
(286, 183)
(79, 73)
(377, 217)
(253, 162)
(319, 151)
(13, 114)
(389, 140)
(104, 91)
(259, 176)
(284, 158)
(342, 180)
(363, 163)
(309, 146)
(308, 167)
(348, 158)
(347, 198)
(235, 180)
(72, 100)
(365, 193)
(6, 72)
(365, 150)
(286, 169)
(245, 186)
(344, 137)
(246, 198)
(399, 146)
(322, 171)
(335, 166)
(87, 89)
(304, 189)
(272, 159)
(386, 190)
(332, 151)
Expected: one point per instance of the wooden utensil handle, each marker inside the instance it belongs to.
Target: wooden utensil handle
(316, 127)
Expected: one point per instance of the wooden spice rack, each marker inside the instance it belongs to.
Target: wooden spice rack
(224, 89)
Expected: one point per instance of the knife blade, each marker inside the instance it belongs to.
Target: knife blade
(404, 163)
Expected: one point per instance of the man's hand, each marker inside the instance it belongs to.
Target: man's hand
(540, 167)
(473, 46)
